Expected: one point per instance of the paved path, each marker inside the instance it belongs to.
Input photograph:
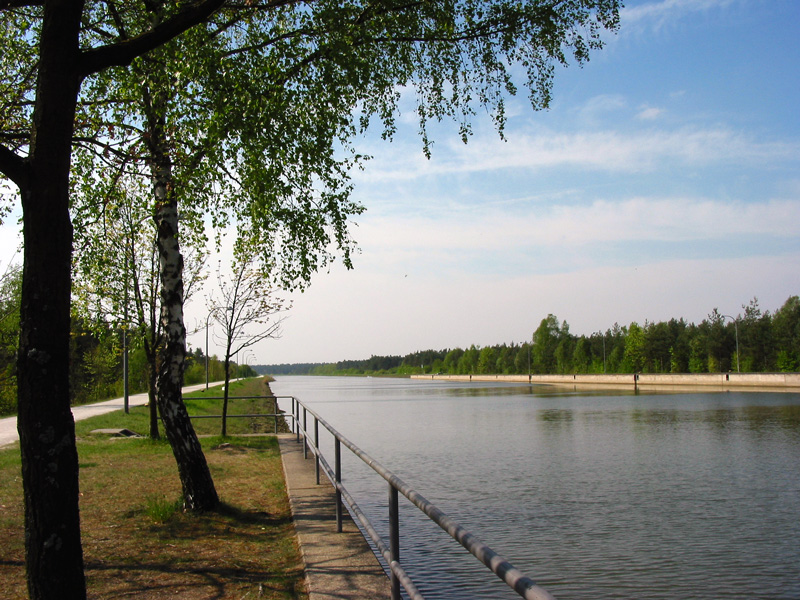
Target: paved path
(8, 426)
(339, 566)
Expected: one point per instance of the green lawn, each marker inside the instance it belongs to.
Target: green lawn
(138, 543)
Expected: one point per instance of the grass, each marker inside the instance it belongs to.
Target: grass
(161, 509)
(138, 543)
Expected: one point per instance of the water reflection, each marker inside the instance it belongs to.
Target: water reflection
(554, 415)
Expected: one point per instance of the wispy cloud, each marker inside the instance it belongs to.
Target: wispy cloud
(565, 227)
(649, 113)
(599, 150)
(598, 108)
(656, 15)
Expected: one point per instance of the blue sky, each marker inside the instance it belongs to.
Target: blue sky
(662, 182)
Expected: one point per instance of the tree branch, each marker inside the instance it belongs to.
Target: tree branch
(123, 53)
(266, 43)
(89, 142)
(6, 4)
(118, 22)
(16, 168)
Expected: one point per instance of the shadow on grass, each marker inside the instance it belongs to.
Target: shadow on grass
(154, 579)
(247, 517)
(227, 521)
(213, 554)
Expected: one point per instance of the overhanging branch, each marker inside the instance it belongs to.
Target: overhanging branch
(123, 53)
(16, 168)
(6, 4)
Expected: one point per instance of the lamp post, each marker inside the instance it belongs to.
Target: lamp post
(125, 379)
(248, 354)
(211, 312)
(736, 332)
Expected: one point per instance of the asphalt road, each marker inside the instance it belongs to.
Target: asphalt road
(8, 426)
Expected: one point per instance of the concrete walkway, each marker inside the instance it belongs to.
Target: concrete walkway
(8, 426)
(338, 565)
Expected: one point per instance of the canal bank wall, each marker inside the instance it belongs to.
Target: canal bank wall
(774, 382)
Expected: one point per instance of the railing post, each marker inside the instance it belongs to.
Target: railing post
(394, 539)
(305, 433)
(338, 467)
(316, 445)
(296, 413)
(275, 412)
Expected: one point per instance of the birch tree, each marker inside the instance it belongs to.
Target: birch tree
(246, 314)
(116, 259)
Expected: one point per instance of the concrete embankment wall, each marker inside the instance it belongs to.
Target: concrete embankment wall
(739, 381)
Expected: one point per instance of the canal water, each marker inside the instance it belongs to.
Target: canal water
(601, 495)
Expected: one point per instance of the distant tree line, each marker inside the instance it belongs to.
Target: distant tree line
(287, 369)
(753, 341)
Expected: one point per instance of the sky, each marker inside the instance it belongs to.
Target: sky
(663, 181)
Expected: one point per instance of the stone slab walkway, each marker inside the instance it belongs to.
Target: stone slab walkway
(338, 565)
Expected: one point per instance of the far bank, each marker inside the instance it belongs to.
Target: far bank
(775, 382)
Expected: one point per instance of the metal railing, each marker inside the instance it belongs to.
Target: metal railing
(515, 579)
(275, 413)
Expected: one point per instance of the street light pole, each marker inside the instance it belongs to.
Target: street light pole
(248, 354)
(125, 378)
(208, 318)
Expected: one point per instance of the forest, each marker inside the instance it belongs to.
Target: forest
(96, 355)
(752, 341)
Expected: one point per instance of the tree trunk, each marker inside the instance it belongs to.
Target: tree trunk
(198, 487)
(152, 396)
(148, 329)
(54, 557)
(225, 392)
(199, 492)
(152, 392)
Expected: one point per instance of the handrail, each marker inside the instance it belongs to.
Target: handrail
(513, 577)
(274, 414)
(239, 398)
(394, 565)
